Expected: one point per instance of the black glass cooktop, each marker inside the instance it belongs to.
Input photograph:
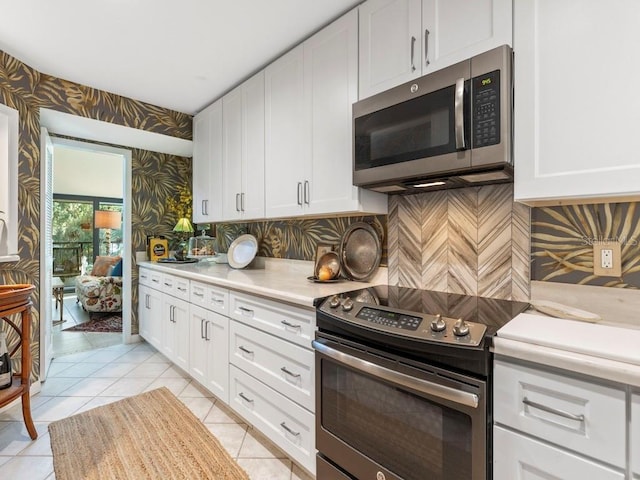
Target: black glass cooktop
(491, 312)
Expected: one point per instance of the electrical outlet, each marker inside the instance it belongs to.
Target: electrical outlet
(607, 259)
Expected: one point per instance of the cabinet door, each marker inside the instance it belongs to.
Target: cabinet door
(252, 196)
(232, 154)
(454, 30)
(576, 109)
(390, 44)
(331, 87)
(143, 311)
(286, 133)
(181, 334)
(197, 344)
(635, 434)
(207, 164)
(217, 339)
(517, 456)
(153, 317)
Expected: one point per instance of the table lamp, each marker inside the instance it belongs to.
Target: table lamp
(183, 226)
(107, 219)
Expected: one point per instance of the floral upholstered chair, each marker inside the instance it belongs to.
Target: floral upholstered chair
(101, 291)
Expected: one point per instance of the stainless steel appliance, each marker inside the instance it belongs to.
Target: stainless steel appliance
(403, 384)
(451, 128)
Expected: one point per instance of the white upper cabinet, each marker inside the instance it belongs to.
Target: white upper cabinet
(243, 151)
(404, 39)
(576, 109)
(309, 93)
(285, 135)
(207, 164)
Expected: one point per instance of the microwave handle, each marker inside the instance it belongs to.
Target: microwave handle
(459, 114)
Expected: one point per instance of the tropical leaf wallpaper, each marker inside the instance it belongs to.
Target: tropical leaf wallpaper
(27, 90)
(563, 239)
(297, 239)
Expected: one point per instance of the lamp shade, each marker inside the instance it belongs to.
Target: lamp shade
(107, 219)
(183, 225)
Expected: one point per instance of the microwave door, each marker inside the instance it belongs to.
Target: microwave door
(426, 135)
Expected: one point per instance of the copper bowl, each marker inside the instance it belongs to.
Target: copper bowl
(14, 295)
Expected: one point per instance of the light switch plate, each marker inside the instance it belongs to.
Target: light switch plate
(600, 259)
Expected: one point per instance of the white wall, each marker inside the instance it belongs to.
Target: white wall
(82, 172)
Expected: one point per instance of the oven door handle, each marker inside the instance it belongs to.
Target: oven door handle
(459, 114)
(417, 384)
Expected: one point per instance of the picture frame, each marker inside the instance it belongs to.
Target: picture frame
(321, 249)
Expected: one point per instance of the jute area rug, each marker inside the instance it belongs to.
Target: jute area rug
(148, 436)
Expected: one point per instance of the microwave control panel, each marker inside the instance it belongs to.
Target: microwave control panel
(486, 109)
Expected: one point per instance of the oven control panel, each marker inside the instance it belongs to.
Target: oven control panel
(420, 326)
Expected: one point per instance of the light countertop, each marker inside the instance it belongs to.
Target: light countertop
(599, 350)
(280, 279)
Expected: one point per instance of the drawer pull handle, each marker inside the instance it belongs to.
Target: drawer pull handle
(218, 301)
(245, 398)
(245, 350)
(198, 294)
(555, 411)
(155, 280)
(182, 289)
(290, 373)
(290, 325)
(295, 434)
(246, 311)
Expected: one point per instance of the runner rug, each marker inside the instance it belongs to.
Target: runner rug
(99, 322)
(149, 436)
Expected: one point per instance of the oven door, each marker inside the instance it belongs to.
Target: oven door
(380, 419)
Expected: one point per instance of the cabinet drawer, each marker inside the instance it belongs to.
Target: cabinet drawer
(176, 286)
(210, 297)
(286, 424)
(150, 278)
(287, 368)
(285, 321)
(578, 415)
(517, 456)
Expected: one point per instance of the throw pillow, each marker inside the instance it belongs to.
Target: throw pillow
(102, 264)
(116, 271)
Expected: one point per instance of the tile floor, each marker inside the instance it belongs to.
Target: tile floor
(81, 381)
(71, 342)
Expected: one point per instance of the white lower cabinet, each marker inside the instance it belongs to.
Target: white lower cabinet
(635, 434)
(519, 457)
(175, 331)
(553, 424)
(150, 314)
(209, 351)
(285, 423)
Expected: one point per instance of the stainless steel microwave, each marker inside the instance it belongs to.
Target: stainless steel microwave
(451, 128)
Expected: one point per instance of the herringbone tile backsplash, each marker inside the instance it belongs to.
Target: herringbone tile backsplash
(474, 241)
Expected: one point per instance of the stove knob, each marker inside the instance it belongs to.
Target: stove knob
(334, 302)
(347, 305)
(438, 324)
(460, 328)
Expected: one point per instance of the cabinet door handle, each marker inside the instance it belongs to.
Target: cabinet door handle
(426, 47)
(205, 204)
(237, 202)
(206, 330)
(413, 48)
(555, 411)
(290, 325)
(246, 311)
(295, 434)
(245, 398)
(458, 107)
(171, 313)
(242, 202)
(146, 301)
(245, 350)
(300, 193)
(307, 192)
(202, 335)
(290, 373)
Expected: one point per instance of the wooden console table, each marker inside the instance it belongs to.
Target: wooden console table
(16, 300)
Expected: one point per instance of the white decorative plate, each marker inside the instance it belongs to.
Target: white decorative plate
(242, 251)
(563, 311)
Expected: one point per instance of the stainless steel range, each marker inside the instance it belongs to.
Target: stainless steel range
(403, 384)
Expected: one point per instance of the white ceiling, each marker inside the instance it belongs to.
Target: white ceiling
(176, 54)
